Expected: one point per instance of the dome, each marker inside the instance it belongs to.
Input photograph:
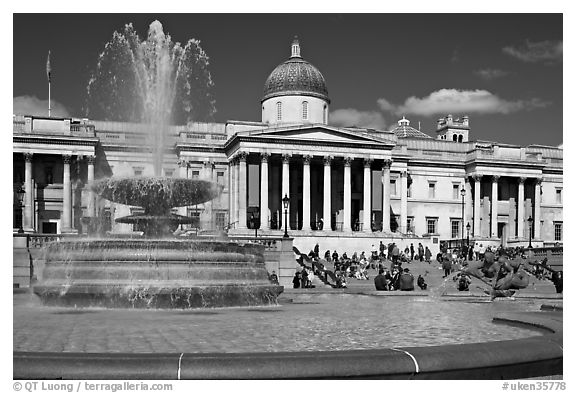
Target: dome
(405, 131)
(295, 77)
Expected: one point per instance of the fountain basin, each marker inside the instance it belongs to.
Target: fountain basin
(155, 273)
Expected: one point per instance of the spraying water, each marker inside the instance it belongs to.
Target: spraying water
(155, 81)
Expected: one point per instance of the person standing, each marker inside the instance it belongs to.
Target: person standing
(317, 250)
(481, 251)
(395, 253)
(304, 278)
(421, 252)
(412, 251)
(427, 254)
(447, 266)
(382, 247)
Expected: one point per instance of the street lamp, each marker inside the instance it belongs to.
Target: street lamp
(530, 232)
(20, 198)
(286, 202)
(463, 193)
(468, 234)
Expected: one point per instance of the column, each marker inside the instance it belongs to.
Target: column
(347, 225)
(242, 190)
(231, 192)
(306, 194)
(403, 201)
(264, 218)
(537, 203)
(477, 181)
(183, 168)
(285, 187)
(90, 208)
(236, 191)
(66, 222)
(367, 205)
(467, 203)
(207, 214)
(494, 207)
(327, 206)
(521, 213)
(386, 195)
(29, 197)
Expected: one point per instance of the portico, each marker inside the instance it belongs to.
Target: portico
(329, 191)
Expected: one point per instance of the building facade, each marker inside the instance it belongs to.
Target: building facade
(355, 183)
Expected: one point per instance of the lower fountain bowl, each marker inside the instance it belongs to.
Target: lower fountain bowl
(162, 273)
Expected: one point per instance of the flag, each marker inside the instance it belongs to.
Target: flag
(48, 68)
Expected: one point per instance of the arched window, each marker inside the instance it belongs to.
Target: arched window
(455, 138)
(325, 115)
(460, 138)
(305, 110)
(279, 110)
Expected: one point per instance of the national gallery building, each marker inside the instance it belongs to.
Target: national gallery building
(351, 183)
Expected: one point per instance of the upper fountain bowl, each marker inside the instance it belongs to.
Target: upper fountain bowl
(157, 195)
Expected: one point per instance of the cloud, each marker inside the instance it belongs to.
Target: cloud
(549, 52)
(491, 73)
(460, 101)
(352, 117)
(31, 105)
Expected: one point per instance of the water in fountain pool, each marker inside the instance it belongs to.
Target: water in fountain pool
(310, 323)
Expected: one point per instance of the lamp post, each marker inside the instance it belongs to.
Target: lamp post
(463, 193)
(20, 198)
(468, 234)
(286, 202)
(530, 232)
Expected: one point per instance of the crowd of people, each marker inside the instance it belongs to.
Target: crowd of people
(358, 266)
(397, 276)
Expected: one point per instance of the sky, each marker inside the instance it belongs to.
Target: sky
(502, 70)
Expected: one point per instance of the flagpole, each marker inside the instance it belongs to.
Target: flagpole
(49, 75)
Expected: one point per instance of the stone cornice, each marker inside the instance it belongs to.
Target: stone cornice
(303, 142)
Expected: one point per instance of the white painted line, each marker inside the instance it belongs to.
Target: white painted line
(179, 364)
(413, 358)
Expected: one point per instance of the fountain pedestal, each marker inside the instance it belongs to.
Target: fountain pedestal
(163, 273)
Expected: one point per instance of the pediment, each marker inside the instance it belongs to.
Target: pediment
(321, 133)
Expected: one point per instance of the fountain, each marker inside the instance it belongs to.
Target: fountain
(141, 80)
(156, 271)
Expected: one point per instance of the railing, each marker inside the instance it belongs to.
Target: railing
(269, 243)
(39, 240)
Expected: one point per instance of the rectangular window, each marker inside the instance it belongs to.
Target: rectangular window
(220, 220)
(195, 175)
(409, 191)
(455, 191)
(195, 214)
(409, 224)
(431, 224)
(558, 231)
(220, 178)
(393, 187)
(455, 228)
(559, 196)
(168, 172)
(431, 190)
(138, 171)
